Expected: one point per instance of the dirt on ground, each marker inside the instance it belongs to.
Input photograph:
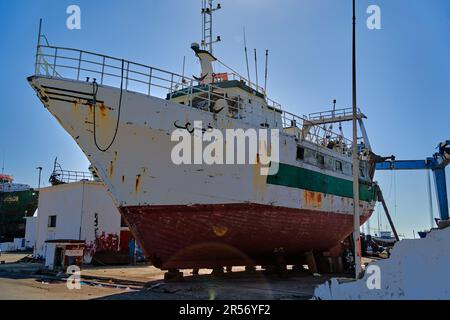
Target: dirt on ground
(143, 282)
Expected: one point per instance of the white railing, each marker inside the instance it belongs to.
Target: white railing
(317, 134)
(339, 113)
(74, 64)
(68, 63)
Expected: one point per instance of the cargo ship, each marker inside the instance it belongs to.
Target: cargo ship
(17, 201)
(123, 114)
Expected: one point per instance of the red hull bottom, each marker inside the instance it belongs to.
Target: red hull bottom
(211, 236)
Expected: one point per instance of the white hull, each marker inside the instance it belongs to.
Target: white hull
(138, 170)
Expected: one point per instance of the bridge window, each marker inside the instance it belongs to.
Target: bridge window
(300, 153)
(339, 166)
(320, 159)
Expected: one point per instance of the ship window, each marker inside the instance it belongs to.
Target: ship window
(52, 221)
(320, 159)
(339, 166)
(300, 153)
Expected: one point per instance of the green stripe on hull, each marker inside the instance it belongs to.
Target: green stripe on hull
(300, 178)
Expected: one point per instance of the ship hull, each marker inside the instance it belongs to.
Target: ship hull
(14, 207)
(212, 236)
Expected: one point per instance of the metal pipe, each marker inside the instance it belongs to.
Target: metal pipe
(37, 64)
(39, 181)
(265, 76)
(256, 69)
(386, 210)
(430, 199)
(246, 58)
(356, 213)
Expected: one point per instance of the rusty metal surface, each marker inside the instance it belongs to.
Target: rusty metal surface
(208, 236)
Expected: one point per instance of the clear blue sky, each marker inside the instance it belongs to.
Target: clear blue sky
(404, 71)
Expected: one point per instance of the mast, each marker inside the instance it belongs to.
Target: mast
(246, 57)
(256, 70)
(356, 213)
(265, 75)
(207, 21)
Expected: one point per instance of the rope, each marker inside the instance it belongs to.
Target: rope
(94, 94)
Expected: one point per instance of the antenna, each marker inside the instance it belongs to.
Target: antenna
(3, 162)
(207, 21)
(333, 115)
(246, 57)
(184, 66)
(256, 69)
(265, 76)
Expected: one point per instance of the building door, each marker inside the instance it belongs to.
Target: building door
(59, 257)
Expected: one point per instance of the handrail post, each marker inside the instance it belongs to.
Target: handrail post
(79, 65)
(103, 70)
(54, 61)
(150, 81)
(209, 96)
(171, 86)
(239, 106)
(37, 66)
(191, 89)
(126, 78)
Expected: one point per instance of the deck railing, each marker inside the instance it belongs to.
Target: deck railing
(74, 64)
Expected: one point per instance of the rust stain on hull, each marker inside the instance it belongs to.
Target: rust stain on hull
(313, 199)
(137, 186)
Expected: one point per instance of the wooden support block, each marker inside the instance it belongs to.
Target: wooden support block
(311, 262)
(173, 275)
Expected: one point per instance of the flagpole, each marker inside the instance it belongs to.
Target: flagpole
(356, 213)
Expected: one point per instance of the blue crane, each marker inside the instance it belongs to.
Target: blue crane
(437, 164)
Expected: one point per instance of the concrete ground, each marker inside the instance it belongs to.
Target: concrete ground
(20, 281)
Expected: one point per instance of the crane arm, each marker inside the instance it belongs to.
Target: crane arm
(437, 164)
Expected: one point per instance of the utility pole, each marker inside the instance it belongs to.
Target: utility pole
(356, 213)
(40, 171)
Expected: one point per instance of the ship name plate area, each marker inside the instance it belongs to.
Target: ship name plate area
(225, 310)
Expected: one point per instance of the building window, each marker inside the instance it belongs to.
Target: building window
(339, 166)
(52, 221)
(300, 153)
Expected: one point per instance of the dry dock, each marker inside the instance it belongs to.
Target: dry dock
(21, 281)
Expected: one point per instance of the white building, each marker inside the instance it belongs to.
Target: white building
(77, 219)
(31, 231)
